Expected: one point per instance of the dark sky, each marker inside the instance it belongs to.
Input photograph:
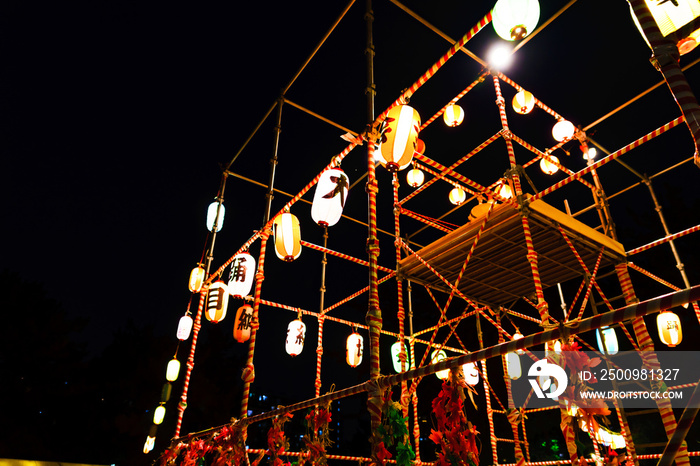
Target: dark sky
(116, 118)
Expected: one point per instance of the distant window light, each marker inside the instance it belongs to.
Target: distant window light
(264, 397)
(250, 412)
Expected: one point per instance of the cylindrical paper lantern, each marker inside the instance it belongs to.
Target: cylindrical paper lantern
(242, 274)
(184, 327)
(669, 326)
(354, 348)
(212, 218)
(610, 338)
(159, 415)
(513, 367)
(399, 135)
(415, 177)
(563, 129)
(217, 302)
(457, 196)
(515, 19)
(437, 356)
(296, 332)
(395, 357)
(523, 102)
(329, 197)
(150, 443)
(172, 370)
(518, 336)
(453, 115)
(196, 279)
(548, 166)
(471, 373)
(287, 235)
(243, 323)
(165, 392)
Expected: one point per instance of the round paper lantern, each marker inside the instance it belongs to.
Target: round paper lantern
(399, 135)
(471, 373)
(610, 338)
(503, 190)
(669, 326)
(563, 129)
(159, 415)
(172, 370)
(296, 332)
(212, 218)
(513, 367)
(523, 102)
(515, 19)
(457, 196)
(354, 348)
(518, 336)
(217, 302)
(196, 279)
(285, 229)
(437, 356)
(453, 115)
(243, 323)
(184, 327)
(396, 357)
(415, 177)
(548, 166)
(240, 280)
(329, 197)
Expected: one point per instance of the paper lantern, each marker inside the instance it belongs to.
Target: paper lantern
(515, 19)
(453, 115)
(523, 102)
(217, 302)
(396, 359)
(329, 197)
(548, 165)
(159, 415)
(212, 218)
(287, 235)
(399, 137)
(296, 332)
(172, 370)
(513, 367)
(518, 336)
(563, 129)
(354, 348)
(503, 190)
(184, 327)
(669, 326)
(457, 196)
(437, 356)
(415, 177)
(243, 323)
(471, 373)
(672, 16)
(196, 279)
(240, 280)
(609, 337)
(165, 392)
(150, 443)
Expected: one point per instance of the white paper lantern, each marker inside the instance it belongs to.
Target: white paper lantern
(329, 197)
(513, 367)
(453, 115)
(610, 339)
(549, 166)
(354, 349)
(172, 370)
(415, 177)
(287, 236)
(296, 332)
(437, 356)
(471, 373)
(399, 137)
(215, 207)
(670, 330)
(523, 102)
(563, 129)
(184, 327)
(518, 336)
(515, 19)
(150, 443)
(396, 359)
(217, 302)
(242, 275)
(196, 279)
(159, 415)
(457, 196)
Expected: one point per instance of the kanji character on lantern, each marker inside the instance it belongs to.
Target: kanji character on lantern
(242, 274)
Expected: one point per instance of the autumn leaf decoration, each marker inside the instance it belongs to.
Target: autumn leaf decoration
(393, 432)
(455, 435)
(317, 437)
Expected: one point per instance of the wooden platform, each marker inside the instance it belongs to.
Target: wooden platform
(499, 272)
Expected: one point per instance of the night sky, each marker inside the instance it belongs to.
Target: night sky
(116, 119)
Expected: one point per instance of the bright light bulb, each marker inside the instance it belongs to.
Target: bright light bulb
(590, 154)
(500, 56)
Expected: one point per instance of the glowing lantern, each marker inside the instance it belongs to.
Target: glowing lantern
(523, 102)
(217, 303)
(196, 279)
(329, 197)
(159, 415)
(437, 356)
(354, 348)
(150, 443)
(296, 332)
(396, 357)
(548, 165)
(518, 336)
(184, 327)
(415, 177)
(513, 367)
(471, 373)
(670, 331)
(503, 190)
(243, 323)
(457, 196)
(453, 115)
(287, 236)
(672, 16)
(172, 370)
(399, 136)
(212, 218)
(240, 280)
(515, 19)
(609, 337)
(563, 129)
